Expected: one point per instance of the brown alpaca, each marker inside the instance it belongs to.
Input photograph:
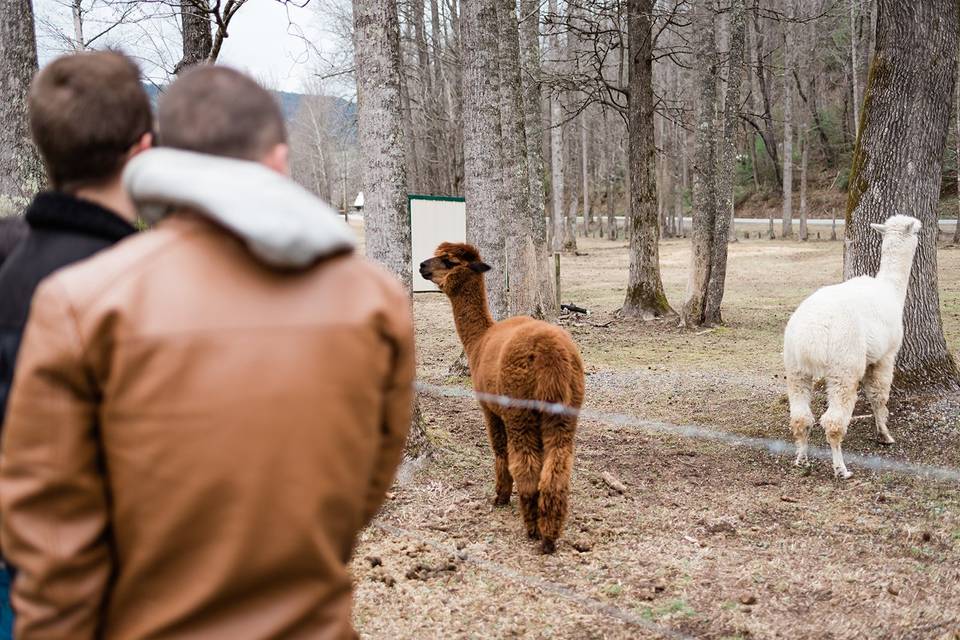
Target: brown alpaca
(521, 358)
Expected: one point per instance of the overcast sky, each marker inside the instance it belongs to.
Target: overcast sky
(267, 39)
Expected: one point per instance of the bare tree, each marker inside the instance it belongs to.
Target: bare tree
(533, 129)
(788, 82)
(854, 68)
(21, 173)
(525, 296)
(377, 52)
(897, 168)
(197, 37)
(714, 157)
(645, 296)
(482, 155)
(726, 160)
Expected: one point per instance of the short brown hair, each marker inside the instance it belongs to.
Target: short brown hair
(220, 111)
(86, 111)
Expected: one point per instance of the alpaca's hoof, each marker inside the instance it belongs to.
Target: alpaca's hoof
(501, 501)
(842, 474)
(801, 461)
(885, 439)
(548, 546)
(533, 534)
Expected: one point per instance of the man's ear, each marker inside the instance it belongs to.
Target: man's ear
(278, 159)
(145, 142)
(479, 267)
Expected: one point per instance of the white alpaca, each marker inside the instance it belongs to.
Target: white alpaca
(847, 332)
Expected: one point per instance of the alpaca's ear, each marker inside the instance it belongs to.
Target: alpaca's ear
(479, 267)
(882, 228)
(915, 227)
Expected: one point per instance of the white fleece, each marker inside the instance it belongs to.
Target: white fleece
(842, 329)
(282, 224)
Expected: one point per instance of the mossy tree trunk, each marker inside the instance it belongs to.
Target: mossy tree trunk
(645, 296)
(21, 173)
(897, 169)
(376, 37)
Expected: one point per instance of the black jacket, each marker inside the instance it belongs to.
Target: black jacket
(62, 230)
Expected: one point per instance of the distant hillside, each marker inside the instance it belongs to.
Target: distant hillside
(289, 102)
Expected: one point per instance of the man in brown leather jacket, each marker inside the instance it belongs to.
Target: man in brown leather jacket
(204, 417)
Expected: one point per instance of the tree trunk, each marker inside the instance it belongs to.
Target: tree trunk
(787, 229)
(854, 69)
(533, 129)
(804, 144)
(897, 169)
(525, 295)
(482, 154)
(956, 110)
(585, 173)
(611, 193)
(376, 37)
(21, 173)
(197, 39)
(704, 163)
(557, 168)
(762, 100)
(645, 296)
(726, 158)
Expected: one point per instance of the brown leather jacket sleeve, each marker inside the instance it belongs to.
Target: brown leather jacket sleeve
(53, 505)
(398, 403)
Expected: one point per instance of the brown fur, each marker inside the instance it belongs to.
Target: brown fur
(521, 358)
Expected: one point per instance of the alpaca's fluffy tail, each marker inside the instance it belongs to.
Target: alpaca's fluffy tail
(557, 373)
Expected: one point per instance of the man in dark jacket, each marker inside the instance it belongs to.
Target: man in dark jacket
(12, 231)
(89, 115)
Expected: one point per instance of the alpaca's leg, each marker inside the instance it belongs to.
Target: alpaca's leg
(526, 459)
(498, 441)
(558, 433)
(842, 396)
(799, 387)
(876, 386)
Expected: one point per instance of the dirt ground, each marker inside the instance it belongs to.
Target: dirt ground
(707, 540)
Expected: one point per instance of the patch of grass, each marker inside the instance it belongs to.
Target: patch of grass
(672, 609)
(614, 590)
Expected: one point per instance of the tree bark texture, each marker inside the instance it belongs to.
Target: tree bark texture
(376, 37)
(645, 296)
(704, 164)
(197, 38)
(726, 158)
(21, 173)
(804, 144)
(524, 295)
(482, 154)
(762, 100)
(897, 169)
(533, 129)
(787, 227)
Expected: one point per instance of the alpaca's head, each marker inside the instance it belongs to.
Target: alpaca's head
(452, 265)
(900, 235)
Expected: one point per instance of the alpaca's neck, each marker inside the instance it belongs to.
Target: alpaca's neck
(895, 269)
(470, 312)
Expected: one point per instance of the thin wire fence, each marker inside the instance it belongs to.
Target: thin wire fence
(697, 432)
